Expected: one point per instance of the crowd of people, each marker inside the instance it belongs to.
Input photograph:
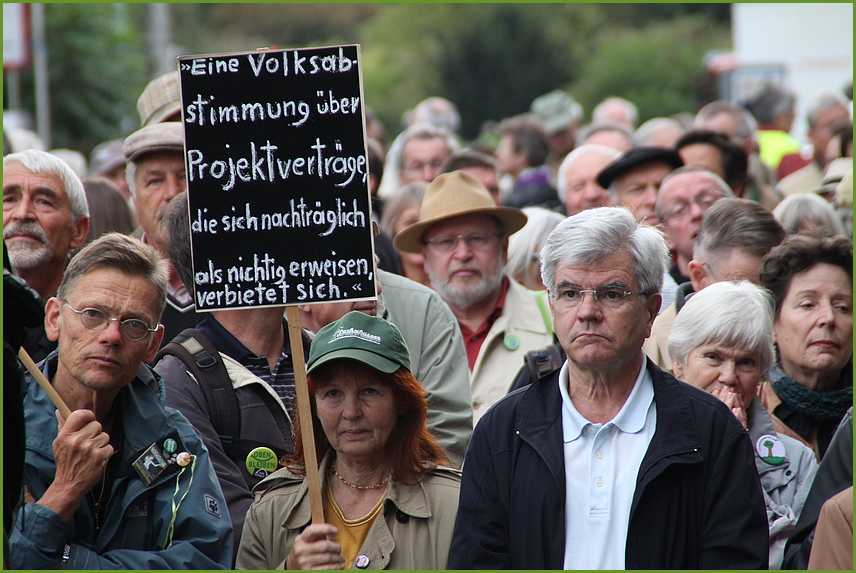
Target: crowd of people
(600, 346)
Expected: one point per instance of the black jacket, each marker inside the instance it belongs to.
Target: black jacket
(698, 502)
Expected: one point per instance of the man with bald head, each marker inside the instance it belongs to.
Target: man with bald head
(684, 197)
(578, 186)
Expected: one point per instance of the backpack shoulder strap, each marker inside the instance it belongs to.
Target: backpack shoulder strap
(540, 299)
(205, 363)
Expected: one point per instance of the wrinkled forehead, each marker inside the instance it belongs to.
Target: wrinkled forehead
(16, 176)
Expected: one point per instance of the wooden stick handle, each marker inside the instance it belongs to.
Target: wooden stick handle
(304, 414)
(43, 382)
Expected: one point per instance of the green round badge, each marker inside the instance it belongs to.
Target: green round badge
(170, 446)
(261, 462)
(511, 341)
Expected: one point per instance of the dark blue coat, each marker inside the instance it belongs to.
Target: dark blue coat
(698, 503)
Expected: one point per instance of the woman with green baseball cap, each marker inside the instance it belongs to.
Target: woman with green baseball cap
(390, 498)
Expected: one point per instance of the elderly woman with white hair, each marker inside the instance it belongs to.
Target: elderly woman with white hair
(722, 342)
(808, 212)
(524, 246)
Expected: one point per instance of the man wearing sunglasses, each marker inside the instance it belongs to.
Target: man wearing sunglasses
(123, 482)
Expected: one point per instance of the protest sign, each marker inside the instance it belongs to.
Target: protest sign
(277, 177)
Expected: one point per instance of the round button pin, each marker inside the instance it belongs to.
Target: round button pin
(183, 459)
(170, 445)
(511, 341)
(261, 462)
(362, 561)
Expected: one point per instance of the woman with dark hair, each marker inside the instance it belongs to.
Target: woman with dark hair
(810, 387)
(389, 499)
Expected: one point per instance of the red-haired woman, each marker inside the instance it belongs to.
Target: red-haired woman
(389, 500)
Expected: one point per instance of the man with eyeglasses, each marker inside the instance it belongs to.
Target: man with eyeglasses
(424, 148)
(685, 195)
(123, 482)
(609, 462)
(463, 236)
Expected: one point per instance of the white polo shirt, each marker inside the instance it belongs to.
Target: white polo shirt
(601, 465)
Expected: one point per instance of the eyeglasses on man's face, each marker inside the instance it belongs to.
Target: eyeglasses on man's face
(682, 209)
(476, 241)
(97, 320)
(610, 296)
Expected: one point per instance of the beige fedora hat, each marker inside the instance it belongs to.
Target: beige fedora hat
(450, 195)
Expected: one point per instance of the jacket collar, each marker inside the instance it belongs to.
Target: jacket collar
(141, 403)
(539, 422)
(409, 499)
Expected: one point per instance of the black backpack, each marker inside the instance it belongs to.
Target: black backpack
(203, 361)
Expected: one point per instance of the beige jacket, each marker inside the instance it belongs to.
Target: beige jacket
(413, 532)
(520, 328)
(656, 346)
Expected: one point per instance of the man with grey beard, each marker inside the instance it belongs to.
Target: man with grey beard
(45, 218)
(463, 236)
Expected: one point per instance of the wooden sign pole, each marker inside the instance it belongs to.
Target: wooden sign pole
(44, 383)
(304, 414)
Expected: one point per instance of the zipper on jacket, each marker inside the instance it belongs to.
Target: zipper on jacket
(541, 455)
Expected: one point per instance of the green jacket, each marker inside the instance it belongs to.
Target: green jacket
(138, 517)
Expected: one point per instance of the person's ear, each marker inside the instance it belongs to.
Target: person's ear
(677, 369)
(154, 344)
(52, 318)
(79, 231)
(652, 303)
(699, 276)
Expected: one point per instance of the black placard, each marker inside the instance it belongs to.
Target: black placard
(277, 177)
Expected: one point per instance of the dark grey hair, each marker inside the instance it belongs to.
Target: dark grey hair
(122, 253)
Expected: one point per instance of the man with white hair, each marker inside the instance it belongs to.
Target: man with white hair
(45, 218)
(609, 462)
(616, 110)
(578, 186)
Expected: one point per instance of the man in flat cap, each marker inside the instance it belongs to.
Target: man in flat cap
(156, 174)
(634, 179)
(463, 236)
(161, 100)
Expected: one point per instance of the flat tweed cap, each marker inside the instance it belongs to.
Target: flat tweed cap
(160, 99)
(450, 195)
(167, 136)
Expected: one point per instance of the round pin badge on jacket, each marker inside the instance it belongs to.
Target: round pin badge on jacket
(362, 561)
(511, 341)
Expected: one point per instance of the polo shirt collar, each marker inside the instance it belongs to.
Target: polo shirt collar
(630, 419)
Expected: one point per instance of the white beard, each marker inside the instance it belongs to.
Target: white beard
(23, 255)
(465, 297)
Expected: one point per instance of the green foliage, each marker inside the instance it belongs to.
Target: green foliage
(95, 68)
(654, 67)
(498, 63)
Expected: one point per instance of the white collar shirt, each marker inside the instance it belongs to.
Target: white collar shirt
(602, 462)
